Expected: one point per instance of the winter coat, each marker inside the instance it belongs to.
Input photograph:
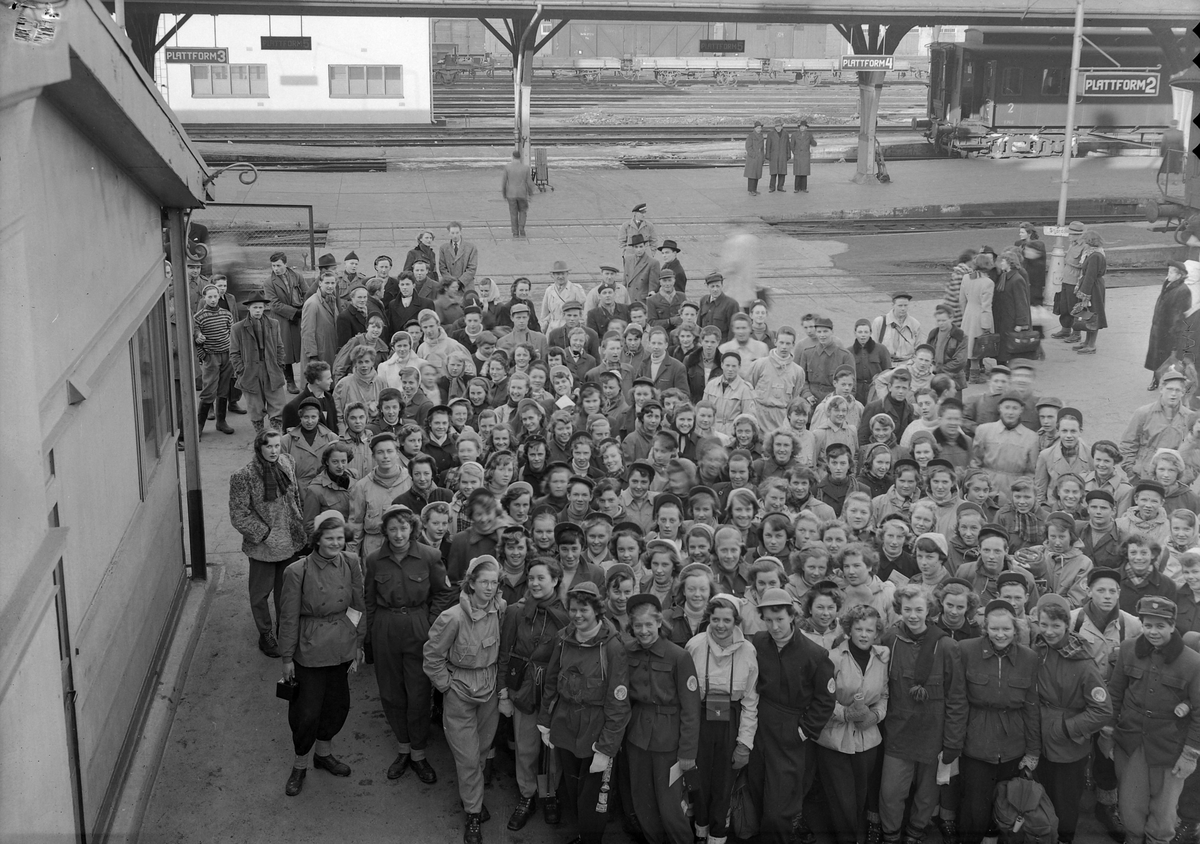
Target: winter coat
(778, 151)
(287, 295)
(307, 458)
(1103, 645)
(586, 699)
(1003, 721)
(869, 360)
(1091, 283)
(1073, 700)
(731, 670)
(917, 731)
(272, 531)
(776, 383)
(421, 252)
(461, 268)
(257, 370)
(1147, 684)
(756, 154)
(318, 331)
(1010, 303)
(975, 296)
(698, 374)
(324, 494)
(953, 361)
(314, 629)
(351, 322)
(800, 144)
(531, 629)
(463, 649)
(1174, 300)
(664, 699)
(853, 683)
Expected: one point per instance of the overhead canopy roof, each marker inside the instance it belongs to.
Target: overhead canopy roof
(920, 12)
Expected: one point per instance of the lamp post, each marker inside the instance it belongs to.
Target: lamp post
(1058, 255)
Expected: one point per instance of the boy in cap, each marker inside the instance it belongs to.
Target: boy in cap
(822, 360)
(1006, 449)
(1164, 423)
(605, 309)
(561, 291)
(350, 277)
(716, 308)
(896, 330)
(519, 312)
(257, 356)
(635, 226)
(1154, 738)
(662, 308)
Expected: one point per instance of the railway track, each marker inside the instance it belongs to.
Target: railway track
(824, 227)
(324, 135)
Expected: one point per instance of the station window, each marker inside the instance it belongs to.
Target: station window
(229, 80)
(150, 358)
(1053, 80)
(363, 81)
(1010, 82)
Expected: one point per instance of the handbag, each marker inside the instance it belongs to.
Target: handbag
(1023, 343)
(742, 817)
(986, 346)
(1085, 320)
(286, 689)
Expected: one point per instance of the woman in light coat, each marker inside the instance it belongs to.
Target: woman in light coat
(756, 156)
(975, 297)
(848, 748)
(727, 673)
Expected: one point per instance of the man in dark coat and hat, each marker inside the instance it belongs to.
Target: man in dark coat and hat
(1174, 300)
(778, 153)
(668, 259)
(755, 156)
(256, 353)
(286, 292)
(800, 143)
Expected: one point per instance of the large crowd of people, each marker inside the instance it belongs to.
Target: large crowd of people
(685, 568)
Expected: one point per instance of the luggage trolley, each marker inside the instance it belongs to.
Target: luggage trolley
(541, 170)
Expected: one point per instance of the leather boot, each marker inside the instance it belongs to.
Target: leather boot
(1186, 833)
(295, 782)
(526, 808)
(202, 416)
(472, 834)
(222, 425)
(1110, 818)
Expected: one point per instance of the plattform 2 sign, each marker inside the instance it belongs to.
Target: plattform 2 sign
(1119, 83)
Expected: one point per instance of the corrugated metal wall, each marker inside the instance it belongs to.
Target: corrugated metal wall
(617, 38)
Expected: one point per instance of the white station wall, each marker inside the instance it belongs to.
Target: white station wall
(298, 83)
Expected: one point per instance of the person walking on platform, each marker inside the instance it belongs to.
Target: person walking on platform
(1064, 298)
(286, 293)
(664, 724)
(265, 508)
(796, 700)
(321, 634)
(256, 353)
(405, 580)
(461, 656)
(800, 144)
(1174, 300)
(516, 186)
(778, 153)
(756, 154)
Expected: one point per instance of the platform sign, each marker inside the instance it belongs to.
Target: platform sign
(1119, 83)
(868, 63)
(1056, 231)
(197, 55)
(726, 46)
(285, 42)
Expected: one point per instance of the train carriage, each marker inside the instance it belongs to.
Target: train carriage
(1003, 91)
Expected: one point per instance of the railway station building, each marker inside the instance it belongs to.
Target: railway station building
(90, 510)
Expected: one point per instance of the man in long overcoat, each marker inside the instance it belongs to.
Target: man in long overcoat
(755, 155)
(285, 290)
(778, 152)
(318, 322)
(801, 143)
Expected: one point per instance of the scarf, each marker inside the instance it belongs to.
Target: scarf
(1101, 620)
(275, 480)
(1136, 580)
(256, 326)
(331, 302)
(342, 481)
(927, 642)
(939, 347)
(1026, 525)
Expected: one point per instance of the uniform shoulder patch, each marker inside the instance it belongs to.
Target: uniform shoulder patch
(1099, 694)
(620, 693)
(692, 684)
(832, 686)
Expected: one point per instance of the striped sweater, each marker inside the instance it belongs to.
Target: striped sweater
(215, 325)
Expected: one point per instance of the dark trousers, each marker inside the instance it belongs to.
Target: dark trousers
(266, 579)
(1104, 770)
(777, 180)
(846, 778)
(318, 709)
(1066, 301)
(517, 210)
(801, 182)
(404, 689)
(979, 780)
(752, 185)
(1064, 783)
(1189, 800)
(581, 791)
(714, 772)
(657, 805)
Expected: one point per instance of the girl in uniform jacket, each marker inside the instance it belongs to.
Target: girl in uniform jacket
(1004, 728)
(927, 714)
(531, 629)
(321, 634)
(460, 659)
(1073, 704)
(585, 706)
(848, 747)
(727, 675)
